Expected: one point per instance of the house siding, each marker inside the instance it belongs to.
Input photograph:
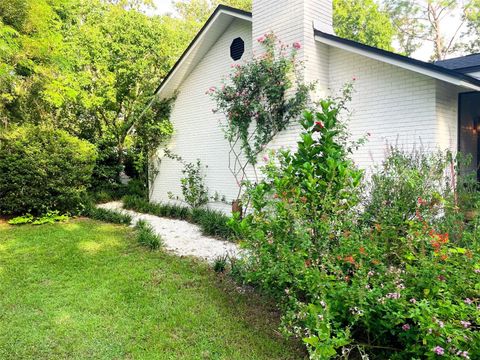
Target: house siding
(395, 106)
(447, 115)
(197, 134)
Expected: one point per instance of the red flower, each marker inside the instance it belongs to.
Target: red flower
(297, 45)
(320, 124)
(421, 201)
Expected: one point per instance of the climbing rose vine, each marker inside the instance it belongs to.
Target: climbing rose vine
(260, 98)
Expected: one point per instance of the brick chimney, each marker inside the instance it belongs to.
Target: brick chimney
(293, 21)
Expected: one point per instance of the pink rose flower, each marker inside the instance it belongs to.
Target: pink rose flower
(297, 45)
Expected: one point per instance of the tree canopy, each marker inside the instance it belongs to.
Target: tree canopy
(363, 21)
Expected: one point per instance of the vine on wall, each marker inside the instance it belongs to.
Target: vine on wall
(260, 99)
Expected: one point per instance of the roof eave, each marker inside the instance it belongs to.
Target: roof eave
(401, 61)
(221, 10)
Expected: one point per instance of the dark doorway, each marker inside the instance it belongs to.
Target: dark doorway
(469, 128)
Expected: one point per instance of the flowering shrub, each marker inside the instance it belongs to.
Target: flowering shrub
(348, 288)
(260, 99)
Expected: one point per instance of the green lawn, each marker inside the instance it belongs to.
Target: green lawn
(86, 290)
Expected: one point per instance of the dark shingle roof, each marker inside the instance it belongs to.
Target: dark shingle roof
(461, 63)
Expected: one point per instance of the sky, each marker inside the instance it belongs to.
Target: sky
(164, 6)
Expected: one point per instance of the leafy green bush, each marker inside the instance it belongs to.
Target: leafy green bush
(49, 218)
(348, 288)
(43, 169)
(404, 179)
(146, 236)
(107, 166)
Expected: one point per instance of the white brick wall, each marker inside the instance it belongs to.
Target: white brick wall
(446, 132)
(396, 106)
(197, 132)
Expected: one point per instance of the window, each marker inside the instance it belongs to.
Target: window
(237, 49)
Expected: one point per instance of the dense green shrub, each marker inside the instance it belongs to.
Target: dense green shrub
(107, 167)
(147, 236)
(404, 178)
(43, 169)
(348, 288)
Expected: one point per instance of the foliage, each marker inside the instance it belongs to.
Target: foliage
(146, 235)
(363, 21)
(353, 280)
(196, 12)
(162, 210)
(49, 218)
(220, 264)
(43, 169)
(425, 20)
(403, 179)
(194, 190)
(473, 25)
(89, 67)
(260, 99)
(211, 222)
(106, 215)
(84, 274)
(21, 220)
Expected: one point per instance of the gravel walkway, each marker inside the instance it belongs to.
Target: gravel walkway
(181, 237)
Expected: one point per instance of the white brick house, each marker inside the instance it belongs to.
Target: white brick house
(398, 100)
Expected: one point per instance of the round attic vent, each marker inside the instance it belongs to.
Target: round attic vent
(237, 49)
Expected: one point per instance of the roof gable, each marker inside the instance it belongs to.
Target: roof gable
(215, 26)
(223, 16)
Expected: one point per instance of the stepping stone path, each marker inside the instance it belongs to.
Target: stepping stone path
(181, 237)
